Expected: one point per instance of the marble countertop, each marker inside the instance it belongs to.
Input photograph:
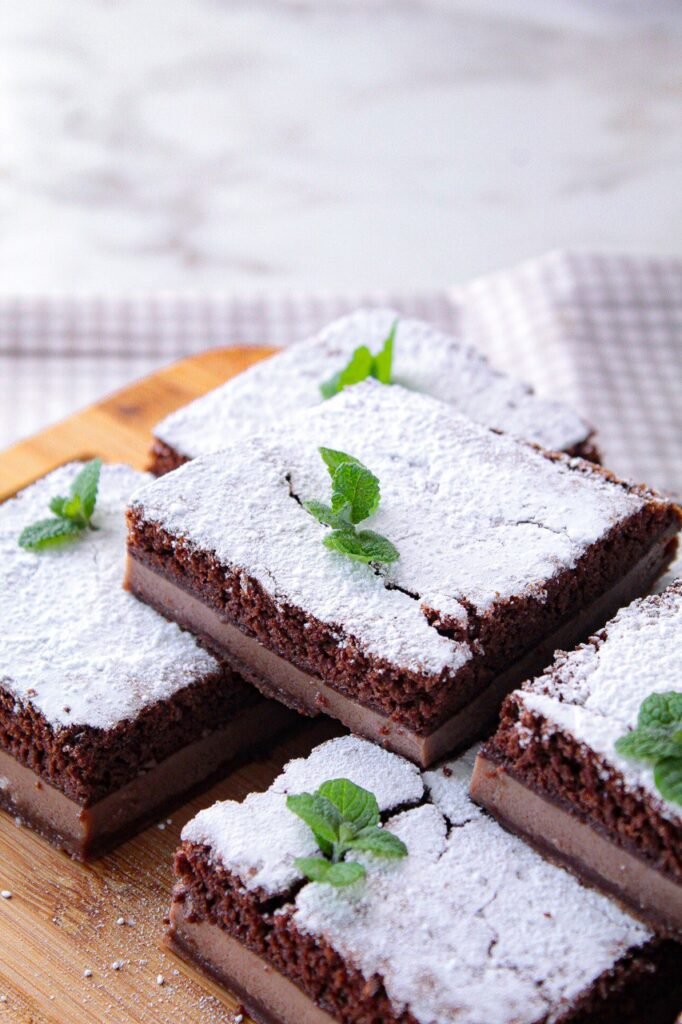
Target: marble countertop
(279, 144)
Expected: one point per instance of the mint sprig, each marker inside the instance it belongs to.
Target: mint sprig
(361, 365)
(355, 496)
(72, 514)
(342, 817)
(657, 740)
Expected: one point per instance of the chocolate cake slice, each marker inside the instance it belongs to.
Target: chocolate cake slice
(424, 359)
(553, 771)
(108, 713)
(471, 927)
(506, 553)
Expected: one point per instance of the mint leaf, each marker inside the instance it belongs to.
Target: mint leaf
(57, 506)
(47, 533)
(355, 488)
(318, 870)
(73, 514)
(361, 365)
(650, 744)
(320, 815)
(324, 514)
(383, 360)
(356, 805)
(660, 710)
(84, 489)
(333, 459)
(358, 368)
(668, 778)
(363, 546)
(379, 842)
(657, 739)
(355, 496)
(351, 824)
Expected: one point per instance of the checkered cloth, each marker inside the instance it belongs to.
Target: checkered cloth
(603, 333)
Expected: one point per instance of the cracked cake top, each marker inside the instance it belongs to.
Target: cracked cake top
(454, 934)
(74, 644)
(477, 518)
(424, 359)
(594, 693)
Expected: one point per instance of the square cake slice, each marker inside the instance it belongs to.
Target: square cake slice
(109, 714)
(470, 927)
(424, 359)
(559, 772)
(506, 552)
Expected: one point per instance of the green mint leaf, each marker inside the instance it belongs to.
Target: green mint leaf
(650, 744)
(48, 533)
(345, 873)
(363, 545)
(363, 364)
(57, 506)
(668, 778)
(357, 806)
(383, 360)
(358, 368)
(320, 815)
(333, 459)
(354, 487)
(324, 514)
(84, 490)
(379, 842)
(660, 710)
(318, 870)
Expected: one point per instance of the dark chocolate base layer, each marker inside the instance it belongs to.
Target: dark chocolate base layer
(87, 830)
(559, 831)
(312, 694)
(285, 977)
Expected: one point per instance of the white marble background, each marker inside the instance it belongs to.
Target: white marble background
(260, 147)
(271, 144)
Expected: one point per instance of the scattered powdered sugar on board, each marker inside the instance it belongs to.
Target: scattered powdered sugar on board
(472, 925)
(424, 359)
(595, 692)
(74, 644)
(477, 518)
(259, 838)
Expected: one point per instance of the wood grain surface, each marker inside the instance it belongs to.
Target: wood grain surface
(61, 919)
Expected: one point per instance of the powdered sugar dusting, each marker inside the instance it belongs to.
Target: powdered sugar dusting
(425, 360)
(258, 839)
(594, 693)
(73, 643)
(471, 926)
(477, 517)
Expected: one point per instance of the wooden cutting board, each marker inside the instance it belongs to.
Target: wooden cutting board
(61, 919)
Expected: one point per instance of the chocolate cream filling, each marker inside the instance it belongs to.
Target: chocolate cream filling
(268, 996)
(278, 678)
(573, 842)
(87, 831)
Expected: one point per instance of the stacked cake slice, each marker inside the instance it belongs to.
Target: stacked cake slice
(499, 553)
(108, 713)
(587, 761)
(424, 359)
(470, 926)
